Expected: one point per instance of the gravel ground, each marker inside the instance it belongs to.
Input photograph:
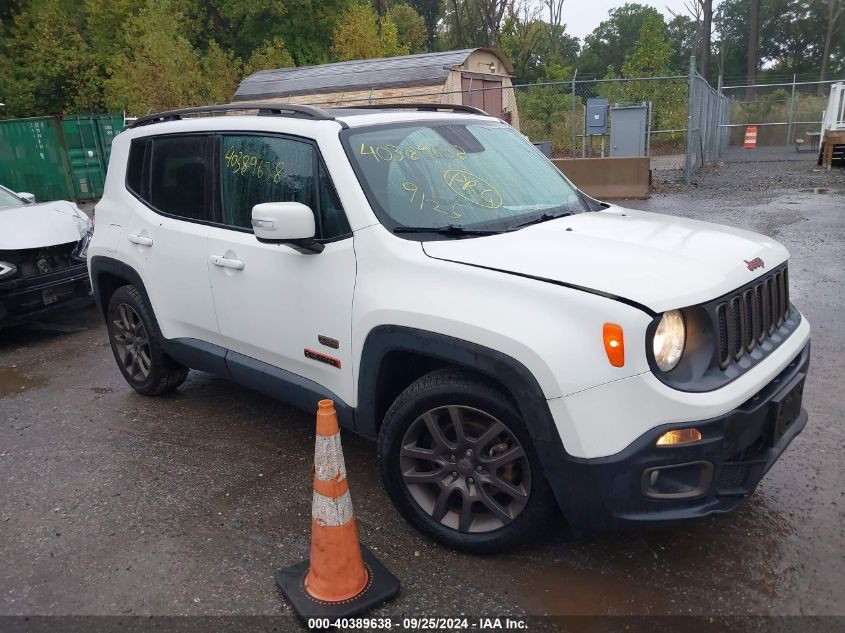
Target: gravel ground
(113, 503)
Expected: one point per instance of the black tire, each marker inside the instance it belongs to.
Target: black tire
(474, 401)
(136, 343)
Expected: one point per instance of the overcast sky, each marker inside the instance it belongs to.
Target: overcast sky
(582, 16)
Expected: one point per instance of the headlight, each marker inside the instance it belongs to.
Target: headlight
(669, 339)
(86, 230)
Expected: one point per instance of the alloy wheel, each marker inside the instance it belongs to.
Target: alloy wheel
(131, 342)
(465, 468)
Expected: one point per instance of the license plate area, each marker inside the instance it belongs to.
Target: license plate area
(787, 409)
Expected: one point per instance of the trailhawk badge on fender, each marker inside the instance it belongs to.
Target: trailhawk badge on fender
(754, 264)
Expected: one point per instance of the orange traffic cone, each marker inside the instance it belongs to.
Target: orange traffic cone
(750, 137)
(342, 578)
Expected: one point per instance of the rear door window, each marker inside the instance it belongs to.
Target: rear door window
(180, 176)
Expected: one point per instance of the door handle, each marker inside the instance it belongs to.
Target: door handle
(225, 262)
(140, 240)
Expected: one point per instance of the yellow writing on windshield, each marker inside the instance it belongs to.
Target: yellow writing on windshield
(473, 188)
(429, 202)
(389, 153)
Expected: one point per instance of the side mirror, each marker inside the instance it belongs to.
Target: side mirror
(29, 198)
(285, 223)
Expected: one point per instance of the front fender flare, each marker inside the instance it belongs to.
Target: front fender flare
(501, 368)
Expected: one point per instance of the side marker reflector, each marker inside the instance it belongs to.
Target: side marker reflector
(614, 344)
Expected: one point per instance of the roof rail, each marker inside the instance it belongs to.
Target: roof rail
(418, 106)
(264, 109)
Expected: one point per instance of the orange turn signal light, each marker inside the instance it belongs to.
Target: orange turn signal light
(614, 344)
(679, 436)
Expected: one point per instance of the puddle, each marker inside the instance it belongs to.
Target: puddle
(101, 390)
(12, 381)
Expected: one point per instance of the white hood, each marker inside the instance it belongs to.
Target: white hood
(659, 261)
(43, 224)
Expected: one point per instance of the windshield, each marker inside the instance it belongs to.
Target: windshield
(470, 176)
(8, 199)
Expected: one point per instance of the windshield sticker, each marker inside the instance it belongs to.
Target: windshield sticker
(248, 165)
(472, 188)
(388, 153)
(433, 204)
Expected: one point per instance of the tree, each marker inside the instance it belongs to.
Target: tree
(683, 34)
(651, 57)
(491, 13)
(410, 27)
(753, 57)
(307, 28)
(835, 9)
(652, 52)
(536, 48)
(159, 69)
(431, 11)
(271, 54)
(361, 34)
(706, 34)
(614, 38)
(555, 23)
(220, 73)
(50, 67)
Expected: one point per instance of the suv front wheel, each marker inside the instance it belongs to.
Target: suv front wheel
(137, 345)
(457, 462)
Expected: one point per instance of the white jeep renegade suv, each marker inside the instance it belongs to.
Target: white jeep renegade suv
(508, 340)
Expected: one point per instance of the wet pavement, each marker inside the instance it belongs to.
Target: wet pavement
(114, 503)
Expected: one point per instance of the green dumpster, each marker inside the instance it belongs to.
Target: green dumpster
(88, 139)
(58, 157)
(32, 158)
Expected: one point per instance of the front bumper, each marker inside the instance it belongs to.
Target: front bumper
(711, 476)
(22, 300)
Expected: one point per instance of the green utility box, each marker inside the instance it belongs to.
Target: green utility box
(58, 157)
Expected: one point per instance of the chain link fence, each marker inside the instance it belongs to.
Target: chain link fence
(784, 114)
(708, 113)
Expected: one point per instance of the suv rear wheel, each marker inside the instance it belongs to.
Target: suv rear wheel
(457, 462)
(136, 344)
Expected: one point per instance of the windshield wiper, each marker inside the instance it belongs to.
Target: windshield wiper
(543, 218)
(449, 229)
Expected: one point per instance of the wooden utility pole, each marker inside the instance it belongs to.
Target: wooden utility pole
(834, 12)
(753, 48)
(706, 34)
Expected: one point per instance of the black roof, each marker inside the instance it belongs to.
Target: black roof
(425, 69)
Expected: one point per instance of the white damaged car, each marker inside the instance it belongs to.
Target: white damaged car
(42, 256)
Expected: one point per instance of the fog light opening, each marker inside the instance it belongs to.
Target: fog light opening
(676, 437)
(677, 481)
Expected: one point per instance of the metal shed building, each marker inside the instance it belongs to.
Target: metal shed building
(478, 77)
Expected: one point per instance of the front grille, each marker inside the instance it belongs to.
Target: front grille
(751, 315)
(32, 262)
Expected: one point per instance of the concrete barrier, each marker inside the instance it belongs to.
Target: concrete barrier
(608, 178)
